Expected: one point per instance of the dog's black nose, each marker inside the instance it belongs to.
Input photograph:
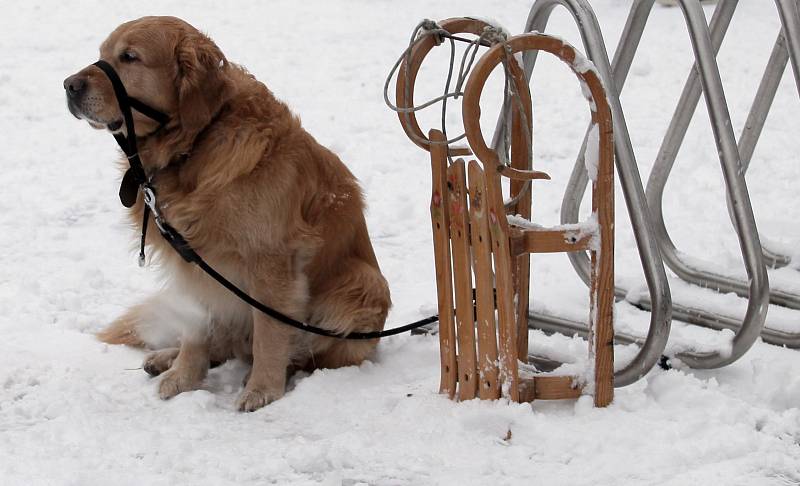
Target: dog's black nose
(74, 85)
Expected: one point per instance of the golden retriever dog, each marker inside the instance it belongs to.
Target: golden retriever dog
(255, 195)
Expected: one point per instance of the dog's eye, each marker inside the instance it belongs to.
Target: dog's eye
(128, 56)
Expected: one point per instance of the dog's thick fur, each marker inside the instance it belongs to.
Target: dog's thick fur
(256, 196)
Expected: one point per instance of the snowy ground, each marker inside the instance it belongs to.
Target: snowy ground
(75, 412)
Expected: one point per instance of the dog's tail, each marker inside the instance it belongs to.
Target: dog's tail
(122, 331)
(156, 323)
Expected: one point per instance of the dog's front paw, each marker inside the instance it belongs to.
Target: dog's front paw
(252, 399)
(174, 381)
(159, 361)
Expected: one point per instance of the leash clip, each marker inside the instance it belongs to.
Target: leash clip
(150, 201)
(149, 197)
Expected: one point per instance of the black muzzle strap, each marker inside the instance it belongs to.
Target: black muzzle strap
(135, 176)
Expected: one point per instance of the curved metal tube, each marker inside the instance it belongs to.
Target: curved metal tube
(661, 317)
(789, 11)
(776, 65)
(762, 103)
(669, 150)
(790, 21)
(751, 132)
(706, 67)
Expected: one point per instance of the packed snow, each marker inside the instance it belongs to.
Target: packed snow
(74, 411)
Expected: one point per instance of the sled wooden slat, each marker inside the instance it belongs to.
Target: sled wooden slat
(462, 276)
(444, 279)
(506, 315)
(488, 386)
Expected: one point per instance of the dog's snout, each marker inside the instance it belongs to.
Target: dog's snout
(74, 85)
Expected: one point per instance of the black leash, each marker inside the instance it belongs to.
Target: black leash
(135, 179)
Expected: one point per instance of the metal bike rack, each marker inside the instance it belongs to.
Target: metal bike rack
(734, 160)
(785, 44)
(705, 42)
(700, 34)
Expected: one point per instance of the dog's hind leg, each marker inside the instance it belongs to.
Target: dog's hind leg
(159, 361)
(190, 366)
(358, 300)
(221, 349)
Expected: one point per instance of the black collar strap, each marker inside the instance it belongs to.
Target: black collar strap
(135, 176)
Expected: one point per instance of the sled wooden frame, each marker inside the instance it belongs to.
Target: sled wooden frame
(472, 236)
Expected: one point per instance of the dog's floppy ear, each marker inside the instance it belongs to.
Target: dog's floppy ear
(201, 80)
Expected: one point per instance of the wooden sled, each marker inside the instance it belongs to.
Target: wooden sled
(480, 242)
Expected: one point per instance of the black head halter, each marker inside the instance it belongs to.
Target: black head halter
(135, 177)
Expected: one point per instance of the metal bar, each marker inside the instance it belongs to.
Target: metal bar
(749, 242)
(666, 158)
(702, 317)
(762, 103)
(789, 11)
(553, 324)
(576, 187)
(776, 65)
(790, 25)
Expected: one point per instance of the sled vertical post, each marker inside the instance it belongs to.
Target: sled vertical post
(521, 158)
(602, 255)
(441, 249)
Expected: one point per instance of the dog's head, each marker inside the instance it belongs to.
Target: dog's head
(163, 62)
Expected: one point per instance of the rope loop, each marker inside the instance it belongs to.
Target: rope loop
(490, 35)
